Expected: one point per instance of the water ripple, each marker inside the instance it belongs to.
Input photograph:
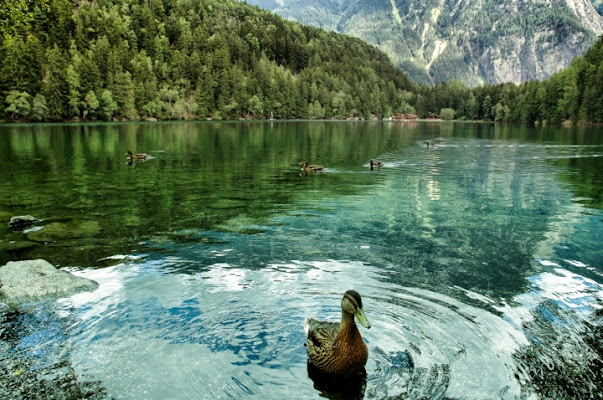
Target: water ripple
(225, 331)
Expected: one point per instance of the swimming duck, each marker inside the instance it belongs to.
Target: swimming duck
(307, 167)
(337, 349)
(432, 145)
(376, 164)
(137, 157)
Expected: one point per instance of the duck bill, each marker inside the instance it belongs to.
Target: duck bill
(362, 318)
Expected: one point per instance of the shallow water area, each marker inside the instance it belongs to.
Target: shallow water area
(478, 259)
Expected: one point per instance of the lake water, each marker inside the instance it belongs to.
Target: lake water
(479, 259)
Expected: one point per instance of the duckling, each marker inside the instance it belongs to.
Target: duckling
(138, 157)
(376, 164)
(311, 168)
(337, 349)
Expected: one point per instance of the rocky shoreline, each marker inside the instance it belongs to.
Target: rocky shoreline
(23, 378)
(26, 372)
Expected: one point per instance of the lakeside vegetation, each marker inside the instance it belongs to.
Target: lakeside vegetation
(207, 59)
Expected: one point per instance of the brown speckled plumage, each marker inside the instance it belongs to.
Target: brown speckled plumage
(137, 157)
(311, 168)
(337, 348)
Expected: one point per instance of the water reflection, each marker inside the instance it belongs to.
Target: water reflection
(204, 175)
(201, 175)
(336, 389)
(242, 331)
(479, 258)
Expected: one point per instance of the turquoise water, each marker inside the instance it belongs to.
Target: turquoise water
(479, 259)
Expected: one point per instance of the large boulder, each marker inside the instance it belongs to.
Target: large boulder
(36, 280)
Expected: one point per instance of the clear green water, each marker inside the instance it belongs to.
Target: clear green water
(479, 260)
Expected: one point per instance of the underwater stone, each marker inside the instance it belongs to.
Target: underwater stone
(20, 222)
(36, 280)
(57, 231)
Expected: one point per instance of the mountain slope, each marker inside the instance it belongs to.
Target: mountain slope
(475, 41)
(187, 59)
(598, 4)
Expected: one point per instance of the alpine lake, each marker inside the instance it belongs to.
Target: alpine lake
(479, 258)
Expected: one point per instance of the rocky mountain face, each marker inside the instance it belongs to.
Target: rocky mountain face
(474, 41)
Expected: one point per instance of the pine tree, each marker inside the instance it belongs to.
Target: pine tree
(122, 89)
(55, 89)
(73, 84)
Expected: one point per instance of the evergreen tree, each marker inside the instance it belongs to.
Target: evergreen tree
(471, 107)
(591, 97)
(122, 89)
(73, 84)
(487, 108)
(21, 66)
(55, 89)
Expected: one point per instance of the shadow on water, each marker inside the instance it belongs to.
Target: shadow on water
(350, 388)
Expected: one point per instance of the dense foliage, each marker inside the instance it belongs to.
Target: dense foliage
(199, 59)
(188, 59)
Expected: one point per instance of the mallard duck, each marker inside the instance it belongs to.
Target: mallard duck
(376, 164)
(337, 349)
(137, 157)
(432, 145)
(307, 167)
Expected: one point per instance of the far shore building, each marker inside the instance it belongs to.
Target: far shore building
(404, 117)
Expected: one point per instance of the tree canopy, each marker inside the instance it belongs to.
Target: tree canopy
(190, 59)
(221, 59)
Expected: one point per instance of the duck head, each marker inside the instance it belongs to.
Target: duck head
(352, 303)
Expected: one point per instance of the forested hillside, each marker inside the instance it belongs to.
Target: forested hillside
(220, 59)
(185, 59)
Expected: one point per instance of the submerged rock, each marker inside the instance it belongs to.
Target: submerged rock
(20, 222)
(36, 280)
(57, 231)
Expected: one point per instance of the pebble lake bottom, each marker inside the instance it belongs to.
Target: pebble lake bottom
(478, 259)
